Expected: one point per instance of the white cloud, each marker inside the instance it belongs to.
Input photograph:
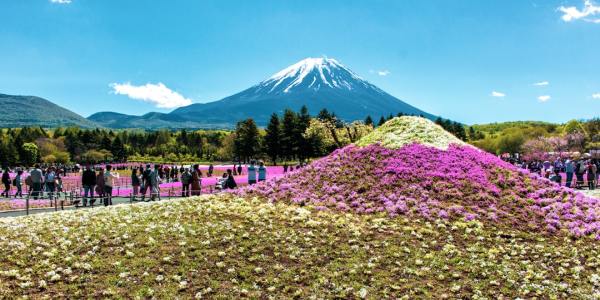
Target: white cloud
(498, 94)
(380, 72)
(157, 94)
(61, 1)
(541, 83)
(587, 14)
(596, 96)
(544, 98)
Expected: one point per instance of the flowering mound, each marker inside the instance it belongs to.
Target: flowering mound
(458, 183)
(407, 130)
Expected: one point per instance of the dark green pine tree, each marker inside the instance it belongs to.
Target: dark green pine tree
(369, 121)
(273, 139)
(303, 123)
(106, 143)
(289, 142)
(118, 150)
(325, 115)
(246, 140)
(381, 121)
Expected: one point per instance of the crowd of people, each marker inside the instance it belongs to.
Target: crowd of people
(577, 172)
(38, 180)
(98, 181)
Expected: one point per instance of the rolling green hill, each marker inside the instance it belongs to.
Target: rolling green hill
(20, 111)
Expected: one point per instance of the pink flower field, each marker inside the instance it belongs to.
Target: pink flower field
(461, 182)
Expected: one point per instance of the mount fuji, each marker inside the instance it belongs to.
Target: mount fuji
(315, 82)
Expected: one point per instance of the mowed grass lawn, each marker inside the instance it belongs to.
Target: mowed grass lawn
(225, 247)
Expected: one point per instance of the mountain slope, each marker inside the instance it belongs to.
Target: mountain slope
(315, 82)
(152, 120)
(19, 111)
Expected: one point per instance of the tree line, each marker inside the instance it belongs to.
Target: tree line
(291, 136)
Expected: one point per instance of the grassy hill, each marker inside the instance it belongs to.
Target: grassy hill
(20, 111)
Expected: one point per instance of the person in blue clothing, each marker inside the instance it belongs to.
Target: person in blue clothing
(262, 172)
(251, 173)
(569, 169)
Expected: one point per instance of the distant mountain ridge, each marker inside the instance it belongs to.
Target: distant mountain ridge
(315, 82)
(20, 111)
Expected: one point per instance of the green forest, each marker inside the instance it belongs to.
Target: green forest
(292, 136)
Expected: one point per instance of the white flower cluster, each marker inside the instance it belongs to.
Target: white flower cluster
(401, 131)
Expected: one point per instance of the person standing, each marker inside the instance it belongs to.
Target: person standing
(18, 182)
(262, 172)
(88, 181)
(211, 168)
(37, 179)
(580, 171)
(109, 181)
(155, 179)
(569, 169)
(251, 173)
(591, 175)
(239, 169)
(186, 179)
(135, 183)
(50, 180)
(99, 186)
(196, 181)
(6, 183)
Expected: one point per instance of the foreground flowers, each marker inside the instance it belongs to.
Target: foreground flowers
(234, 248)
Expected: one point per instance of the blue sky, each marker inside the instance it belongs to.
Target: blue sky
(446, 57)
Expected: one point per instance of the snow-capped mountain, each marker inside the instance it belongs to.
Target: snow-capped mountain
(314, 73)
(315, 82)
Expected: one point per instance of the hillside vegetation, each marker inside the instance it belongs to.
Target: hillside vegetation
(20, 111)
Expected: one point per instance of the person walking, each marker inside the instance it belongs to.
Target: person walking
(196, 181)
(37, 179)
(88, 181)
(186, 180)
(135, 183)
(18, 183)
(109, 181)
(569, 169)
(6, 183)
(251, 173)
(146, 183)
(262, 172)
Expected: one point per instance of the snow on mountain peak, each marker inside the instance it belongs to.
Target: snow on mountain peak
(313, 73)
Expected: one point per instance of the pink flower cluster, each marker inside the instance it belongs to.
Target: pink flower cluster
(419, 181)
